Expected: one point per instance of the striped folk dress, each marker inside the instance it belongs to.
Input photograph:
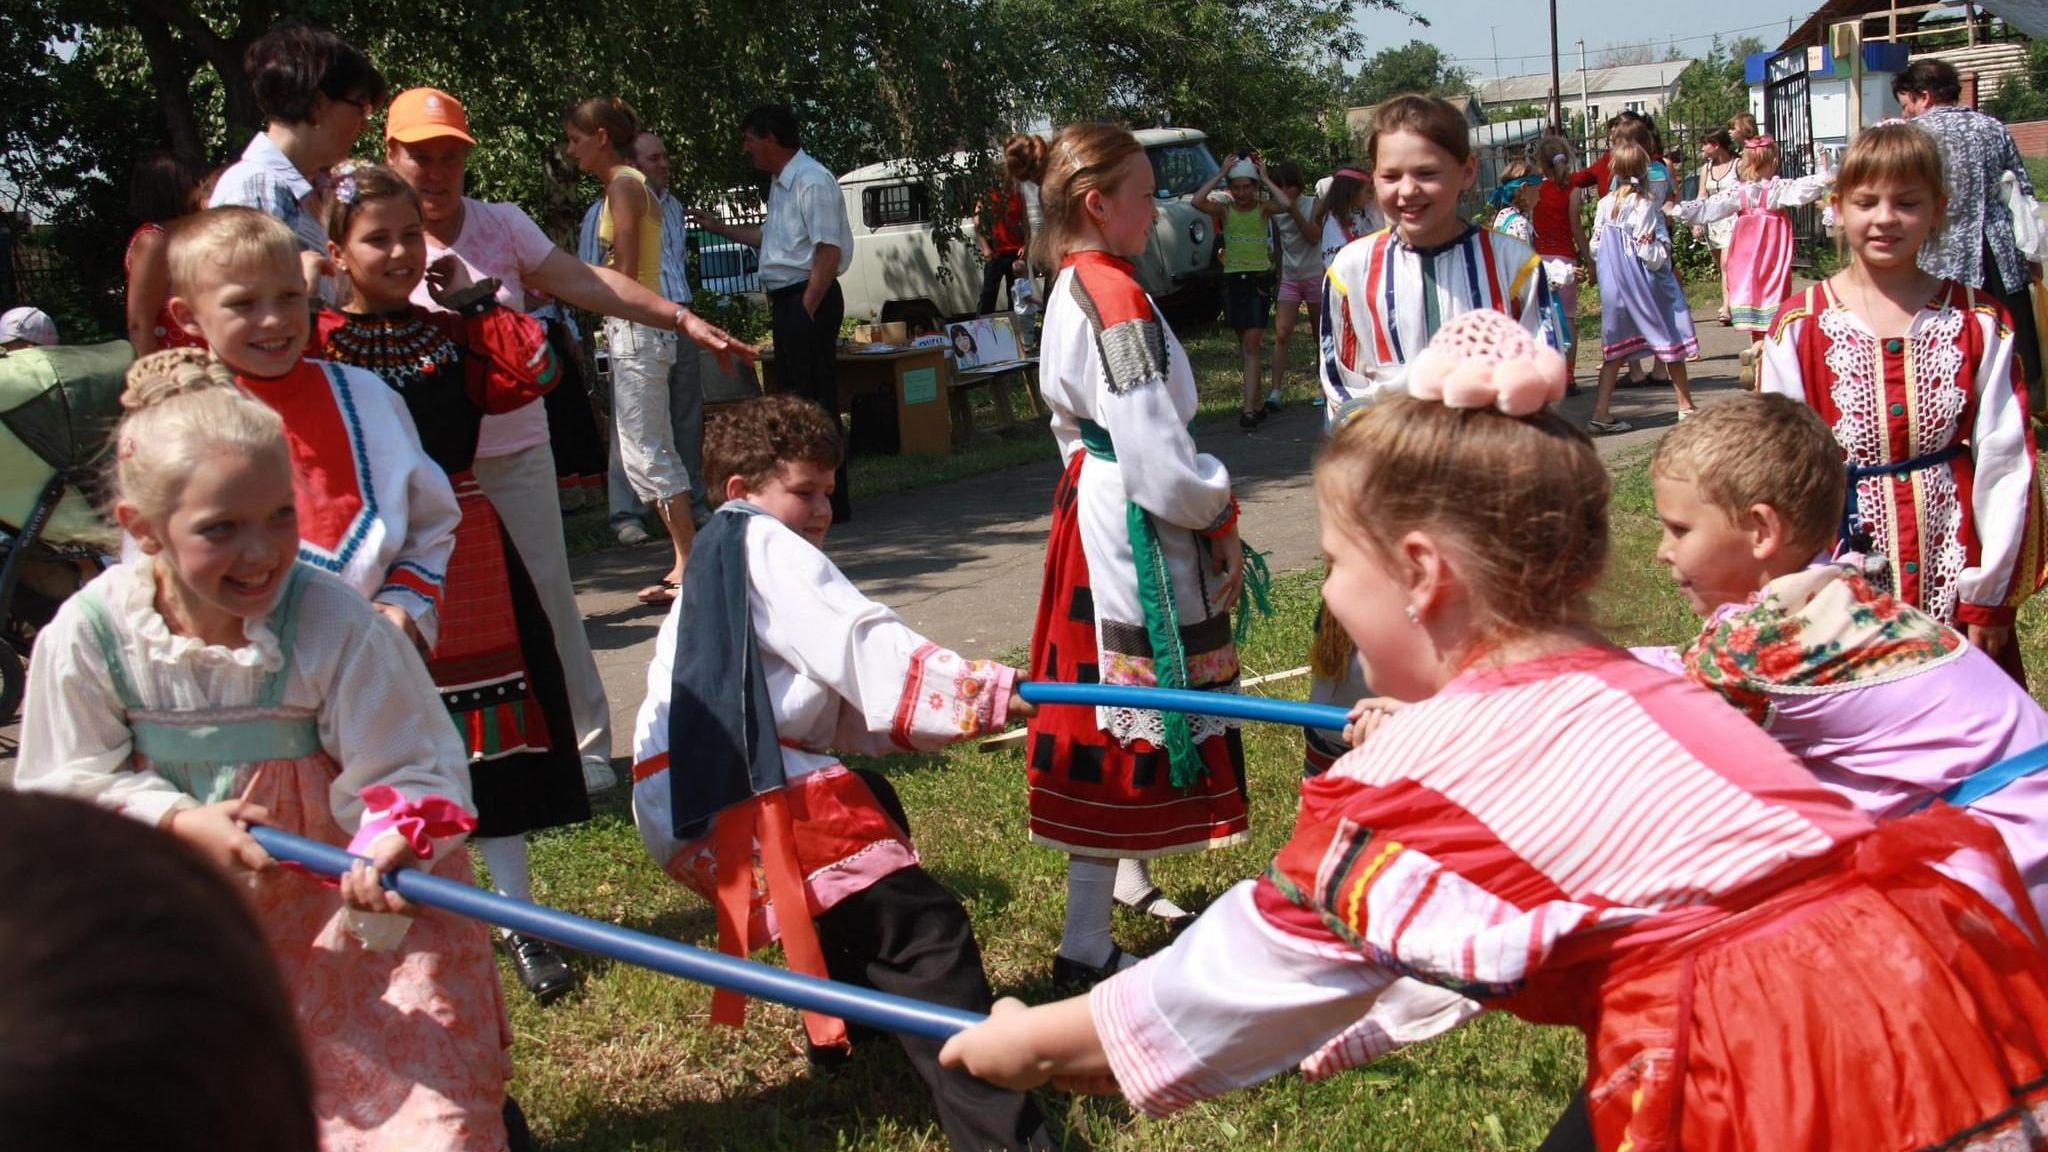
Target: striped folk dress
(1584, 840)
(1383, 299)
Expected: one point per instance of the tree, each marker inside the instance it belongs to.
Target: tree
(1264, 74)
(1417, 66)
(1621, 55)
(2024, 96)
(92, 85)
(1713, 88)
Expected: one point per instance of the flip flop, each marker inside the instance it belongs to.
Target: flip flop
(1152, 896)
(663, 593)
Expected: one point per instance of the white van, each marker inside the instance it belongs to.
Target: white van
(896, 265)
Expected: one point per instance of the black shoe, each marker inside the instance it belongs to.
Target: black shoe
(1074, 974)
(1272, 405)
(540, 968)
(518, 1137)
(1247, 421)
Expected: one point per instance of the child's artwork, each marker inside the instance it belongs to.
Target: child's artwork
(983, 342)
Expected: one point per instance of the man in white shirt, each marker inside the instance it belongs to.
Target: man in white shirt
(806, 245)
(685, 380)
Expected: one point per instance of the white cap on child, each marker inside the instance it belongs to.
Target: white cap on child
(25, 323)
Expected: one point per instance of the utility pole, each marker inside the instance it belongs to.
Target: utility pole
(1556, 104)
(1585, 123)
(1493, 34)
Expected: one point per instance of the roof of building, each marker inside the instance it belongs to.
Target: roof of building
(1534, 88)
(2029, 16)
(1359, 117)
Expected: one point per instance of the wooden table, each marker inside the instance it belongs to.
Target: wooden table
(919, 379)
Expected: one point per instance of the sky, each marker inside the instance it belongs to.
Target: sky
(1468, 29)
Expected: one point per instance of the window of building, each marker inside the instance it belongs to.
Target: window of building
(894, 204)
(1634, 105)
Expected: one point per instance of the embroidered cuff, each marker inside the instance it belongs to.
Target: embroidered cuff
(1986, 615)
(1224, 522)
(424, 823)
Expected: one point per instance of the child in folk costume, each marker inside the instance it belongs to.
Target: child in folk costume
(1389, 295)
(1141, 569)
(1886, 705)
(496, 664)
(770, 664)
(1758, 263)
(1559, 830)
(213, 682)
(373, 509)
(1918, 379)
(1642, 305)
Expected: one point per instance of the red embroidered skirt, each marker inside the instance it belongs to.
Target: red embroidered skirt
(502, 682)
(1876, 1006)
(1091, 795)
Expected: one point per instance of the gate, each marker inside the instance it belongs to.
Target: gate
(1788, 118)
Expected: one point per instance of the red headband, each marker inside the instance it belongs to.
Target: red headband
(1354, 173)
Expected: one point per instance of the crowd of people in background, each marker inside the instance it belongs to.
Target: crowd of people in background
(345, 610)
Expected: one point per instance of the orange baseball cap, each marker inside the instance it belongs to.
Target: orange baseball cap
(418, 114)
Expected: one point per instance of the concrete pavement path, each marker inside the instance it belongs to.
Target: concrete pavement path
(961, 562)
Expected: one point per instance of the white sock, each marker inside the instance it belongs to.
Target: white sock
(1273, 397)
(1133, 881)
(1091, 885)
(505, 856)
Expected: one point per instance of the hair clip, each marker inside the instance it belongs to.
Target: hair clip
(1482, 359)
(344, 177)
(125, 448)
(1559, 158)
(1353, 173)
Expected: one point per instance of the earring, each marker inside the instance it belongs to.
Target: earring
(1414, 617)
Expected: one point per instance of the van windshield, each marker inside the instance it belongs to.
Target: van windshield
(1179, 169)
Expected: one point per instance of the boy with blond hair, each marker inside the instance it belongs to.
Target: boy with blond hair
(1888, 706)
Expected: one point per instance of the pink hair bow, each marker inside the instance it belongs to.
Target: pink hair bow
(422, 822)
(1483, 359)
(1760, 142)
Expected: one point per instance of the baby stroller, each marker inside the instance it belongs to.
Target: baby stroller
(58, 408)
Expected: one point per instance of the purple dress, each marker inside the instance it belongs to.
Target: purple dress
(1642, 306)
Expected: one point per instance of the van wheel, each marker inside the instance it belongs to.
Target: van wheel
(923, 316)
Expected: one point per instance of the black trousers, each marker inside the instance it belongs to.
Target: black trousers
(2020, 304)
(805, 346)
(995, 276)
(908, 935)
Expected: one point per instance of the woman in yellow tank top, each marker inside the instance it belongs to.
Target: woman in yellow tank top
(601, 132)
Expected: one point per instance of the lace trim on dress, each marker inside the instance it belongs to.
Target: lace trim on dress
(137, 605)
(1131, 724)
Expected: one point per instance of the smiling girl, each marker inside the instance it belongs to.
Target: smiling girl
(1390, 293)
(212, 682)
(1387, 295)
(496, 664)
(1141, 569)
(1918, 379)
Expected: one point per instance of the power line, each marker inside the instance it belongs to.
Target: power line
(1625, 47)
